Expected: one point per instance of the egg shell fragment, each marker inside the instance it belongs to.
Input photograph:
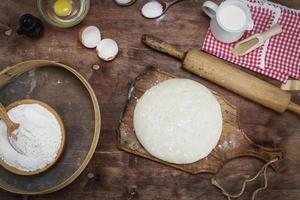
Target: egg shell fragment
(90, 36)
(107, 49)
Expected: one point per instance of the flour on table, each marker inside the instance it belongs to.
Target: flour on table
(38, 138)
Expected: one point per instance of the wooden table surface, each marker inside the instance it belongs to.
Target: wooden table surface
(113, 174)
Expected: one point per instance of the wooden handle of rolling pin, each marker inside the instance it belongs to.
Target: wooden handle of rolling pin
(223, 74)
(294, 107)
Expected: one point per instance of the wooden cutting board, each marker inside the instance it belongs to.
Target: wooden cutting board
(233, 143)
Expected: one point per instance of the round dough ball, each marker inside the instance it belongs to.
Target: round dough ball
(178, 121)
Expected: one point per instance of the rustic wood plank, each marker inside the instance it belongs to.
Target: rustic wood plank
(113, 174)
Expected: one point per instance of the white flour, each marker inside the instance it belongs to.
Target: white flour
(123, 1)
(38, 138)
(152, 9)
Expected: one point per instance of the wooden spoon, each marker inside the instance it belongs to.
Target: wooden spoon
(166, 5)
(253, 42)
(11, 126)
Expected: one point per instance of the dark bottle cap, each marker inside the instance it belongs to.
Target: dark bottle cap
(30, 26)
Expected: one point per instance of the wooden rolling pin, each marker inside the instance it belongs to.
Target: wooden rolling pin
(225, 75)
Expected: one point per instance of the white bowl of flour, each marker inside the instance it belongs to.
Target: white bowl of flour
(40, 138)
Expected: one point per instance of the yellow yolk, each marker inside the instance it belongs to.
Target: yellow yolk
(62, 8)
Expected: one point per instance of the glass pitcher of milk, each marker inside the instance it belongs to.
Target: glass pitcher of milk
(229, 20)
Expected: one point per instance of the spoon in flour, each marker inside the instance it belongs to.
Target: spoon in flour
(156, 8)
(11, 126)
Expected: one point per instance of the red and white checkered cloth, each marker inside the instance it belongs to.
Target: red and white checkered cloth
(279, 57)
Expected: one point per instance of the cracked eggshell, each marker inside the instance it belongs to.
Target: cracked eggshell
(89, 36)
(107, 49)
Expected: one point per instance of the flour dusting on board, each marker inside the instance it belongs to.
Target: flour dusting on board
(38, 138)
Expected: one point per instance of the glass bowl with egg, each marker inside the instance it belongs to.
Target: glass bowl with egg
(63, 13)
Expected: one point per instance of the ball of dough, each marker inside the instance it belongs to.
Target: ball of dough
(178, 121)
